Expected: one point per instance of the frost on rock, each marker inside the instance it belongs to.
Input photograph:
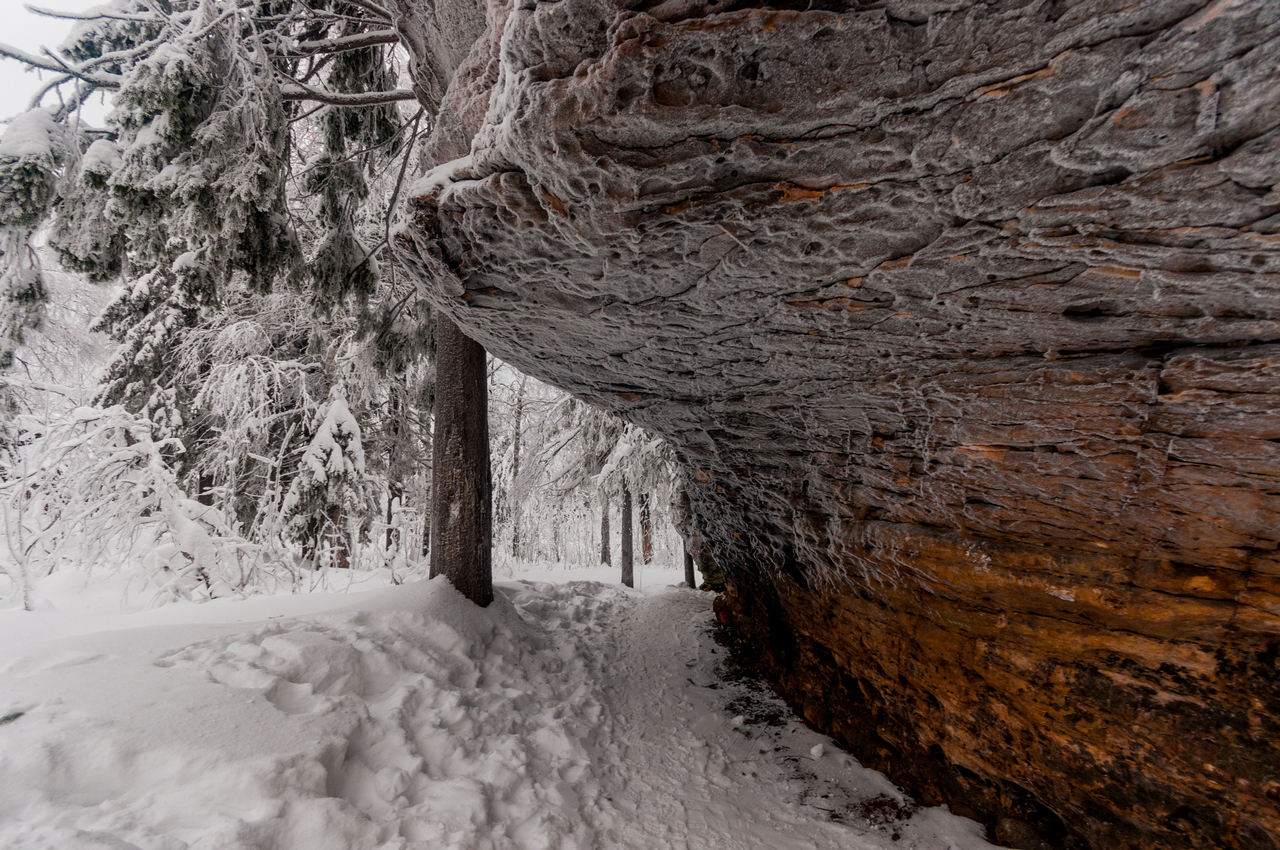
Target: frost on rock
(904, 282)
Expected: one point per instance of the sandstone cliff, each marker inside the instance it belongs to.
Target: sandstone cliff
(964, 317)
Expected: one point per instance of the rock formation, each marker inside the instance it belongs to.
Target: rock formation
(963, 315)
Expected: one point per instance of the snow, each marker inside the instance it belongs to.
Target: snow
(441, 177)
(102, 158)
(572, 713)
(32, 134)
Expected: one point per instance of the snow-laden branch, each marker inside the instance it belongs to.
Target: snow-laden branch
(297, 91)
(97, 14)
(100, 79)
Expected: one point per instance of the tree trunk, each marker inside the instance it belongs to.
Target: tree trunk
(461, 488)
(515, 471)
(646, 529)
(606, 551)
(337, 539)
(628, 564)
(394, 492)
(689, 578)
(204, 490)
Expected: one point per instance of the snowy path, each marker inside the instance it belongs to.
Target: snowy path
(571, 716)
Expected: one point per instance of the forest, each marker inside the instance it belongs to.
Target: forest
(217, 371)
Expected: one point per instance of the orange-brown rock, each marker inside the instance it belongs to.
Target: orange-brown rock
(965, 318)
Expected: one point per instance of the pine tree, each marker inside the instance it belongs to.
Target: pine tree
(329, 493)
(31, 152)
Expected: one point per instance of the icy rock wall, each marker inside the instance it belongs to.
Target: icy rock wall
(963, 316)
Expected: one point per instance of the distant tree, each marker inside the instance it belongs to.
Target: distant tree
(628, 560)
(517, 433)
(329, 495)
(683, 515)
(606, 554)
(646, 529)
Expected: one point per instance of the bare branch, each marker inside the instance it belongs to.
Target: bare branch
(404, 167)
(50, 86)
(296, 91)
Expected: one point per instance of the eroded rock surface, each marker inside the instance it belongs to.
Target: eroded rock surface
(964, 316)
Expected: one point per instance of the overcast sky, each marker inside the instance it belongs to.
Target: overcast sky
(19, 28)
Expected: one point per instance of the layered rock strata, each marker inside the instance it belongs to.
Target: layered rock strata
(964, 316)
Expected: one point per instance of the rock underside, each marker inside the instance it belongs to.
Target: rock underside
(963, 316)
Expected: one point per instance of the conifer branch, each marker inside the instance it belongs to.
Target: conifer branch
(102, 80)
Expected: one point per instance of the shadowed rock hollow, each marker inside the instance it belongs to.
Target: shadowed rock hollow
(963, 316)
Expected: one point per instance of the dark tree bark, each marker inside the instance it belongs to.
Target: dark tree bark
(606, 551)
(628, 562)
(204, 490)
(689, 578)
(646, 529)
(461, 488)
(394, 492)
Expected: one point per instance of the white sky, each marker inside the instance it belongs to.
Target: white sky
(25, 31)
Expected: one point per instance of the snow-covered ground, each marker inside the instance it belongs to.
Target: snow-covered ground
(573, 713)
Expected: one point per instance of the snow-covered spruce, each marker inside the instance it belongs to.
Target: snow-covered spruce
(249, 150)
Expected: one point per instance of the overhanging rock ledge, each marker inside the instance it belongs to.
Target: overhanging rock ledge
(964, 318)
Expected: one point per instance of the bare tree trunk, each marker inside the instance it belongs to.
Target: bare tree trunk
(461, 487)
(606, 551)
(515, 471)
(646, 529)
(689, 577)
(628, 561)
